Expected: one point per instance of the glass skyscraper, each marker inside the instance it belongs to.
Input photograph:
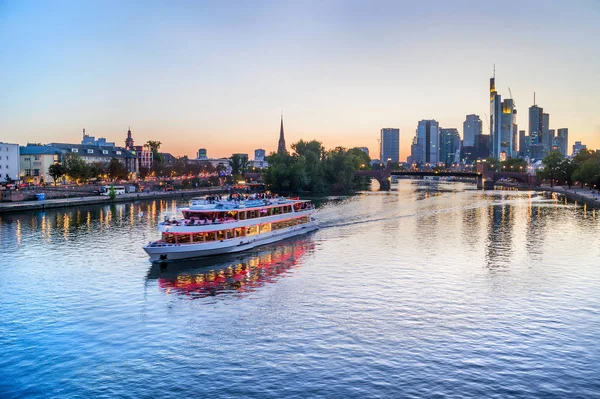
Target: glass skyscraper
(428, 139)
(390, 145)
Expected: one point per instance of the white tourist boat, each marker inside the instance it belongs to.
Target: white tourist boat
(211, 226)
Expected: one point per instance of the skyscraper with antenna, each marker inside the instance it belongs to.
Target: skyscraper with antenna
(503, 125)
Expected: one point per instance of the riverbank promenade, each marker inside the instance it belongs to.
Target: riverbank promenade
(584, 195)
(99, 199)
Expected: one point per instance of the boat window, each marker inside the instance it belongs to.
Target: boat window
(252, 230)
(169, 238)
(240, 232)
(198, 237)
(229, 234)
(220, 235)
(184, 238)
(265, 228)
(242, 215)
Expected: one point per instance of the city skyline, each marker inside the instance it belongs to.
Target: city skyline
(190, 75)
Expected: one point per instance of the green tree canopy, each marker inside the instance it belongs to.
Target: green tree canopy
(56, 171)
(116, 170)
(75, 167)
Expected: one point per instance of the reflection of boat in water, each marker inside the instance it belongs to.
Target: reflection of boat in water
(229, 273)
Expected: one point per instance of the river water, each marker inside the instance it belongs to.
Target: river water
(429, 290)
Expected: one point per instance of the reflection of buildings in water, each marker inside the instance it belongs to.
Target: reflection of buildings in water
(471, 224)
(500, 235)
(226, 274)
(537, 218)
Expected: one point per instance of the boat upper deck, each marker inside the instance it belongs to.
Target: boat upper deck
(211, 205)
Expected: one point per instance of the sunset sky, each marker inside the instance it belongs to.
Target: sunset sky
(217, 74)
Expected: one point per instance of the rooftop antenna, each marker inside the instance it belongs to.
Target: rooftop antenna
(534, 98)
(494, 70)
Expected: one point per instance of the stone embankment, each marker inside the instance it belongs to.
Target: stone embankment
(583, 195)
(99, 199)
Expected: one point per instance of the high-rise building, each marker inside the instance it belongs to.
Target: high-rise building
(281, 145)
(416, 153)
(522, 147)
(449, 145)
(259, 154)
(390, 145)
(364, 149)
(503, 123)
(536, 124)
(472, 127)
(578, 147)
(428, 138)
(563, 133)
(202, 154)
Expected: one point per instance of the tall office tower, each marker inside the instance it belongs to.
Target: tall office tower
(428, 138)
(449, 144)
(536, 124)
(471, 128)
(416, 152)
(202, 154)
(563, 133)
(548, 139)
(390, 145)
(578, 147)
(503, 118)
(547, 136)
(259, 154)
(522, 148)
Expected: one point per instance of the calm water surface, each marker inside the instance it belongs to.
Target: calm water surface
(430, 290)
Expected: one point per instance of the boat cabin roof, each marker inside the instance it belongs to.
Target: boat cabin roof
(201, 205)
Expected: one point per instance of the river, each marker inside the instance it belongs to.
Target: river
(431, 289)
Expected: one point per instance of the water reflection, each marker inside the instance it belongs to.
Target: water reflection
(239, 273)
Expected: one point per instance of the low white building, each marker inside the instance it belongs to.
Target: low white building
(9, 162)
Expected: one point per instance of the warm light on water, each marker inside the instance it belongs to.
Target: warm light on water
(428, 290)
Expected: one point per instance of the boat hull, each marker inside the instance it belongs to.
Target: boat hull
(170, 252)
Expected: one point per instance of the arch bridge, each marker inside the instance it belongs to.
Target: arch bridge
(484, 177)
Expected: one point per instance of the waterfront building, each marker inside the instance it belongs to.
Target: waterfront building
(281, 145)
(503, 125)
(389, 145)
(9, 162)
(144, 155)
(202, 154)
(472, 127)
(578, 147)
(563, 135)
(93, 153)
(449, 145)
(428, 138)
(35, 160)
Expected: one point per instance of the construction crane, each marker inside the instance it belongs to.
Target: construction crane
(510, 92)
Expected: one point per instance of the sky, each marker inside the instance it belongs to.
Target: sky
(217, 75)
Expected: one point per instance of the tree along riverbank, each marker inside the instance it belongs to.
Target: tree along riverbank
(78, 201)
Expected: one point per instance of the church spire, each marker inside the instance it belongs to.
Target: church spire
(281, 146)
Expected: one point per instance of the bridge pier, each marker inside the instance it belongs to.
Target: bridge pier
(384, 184)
